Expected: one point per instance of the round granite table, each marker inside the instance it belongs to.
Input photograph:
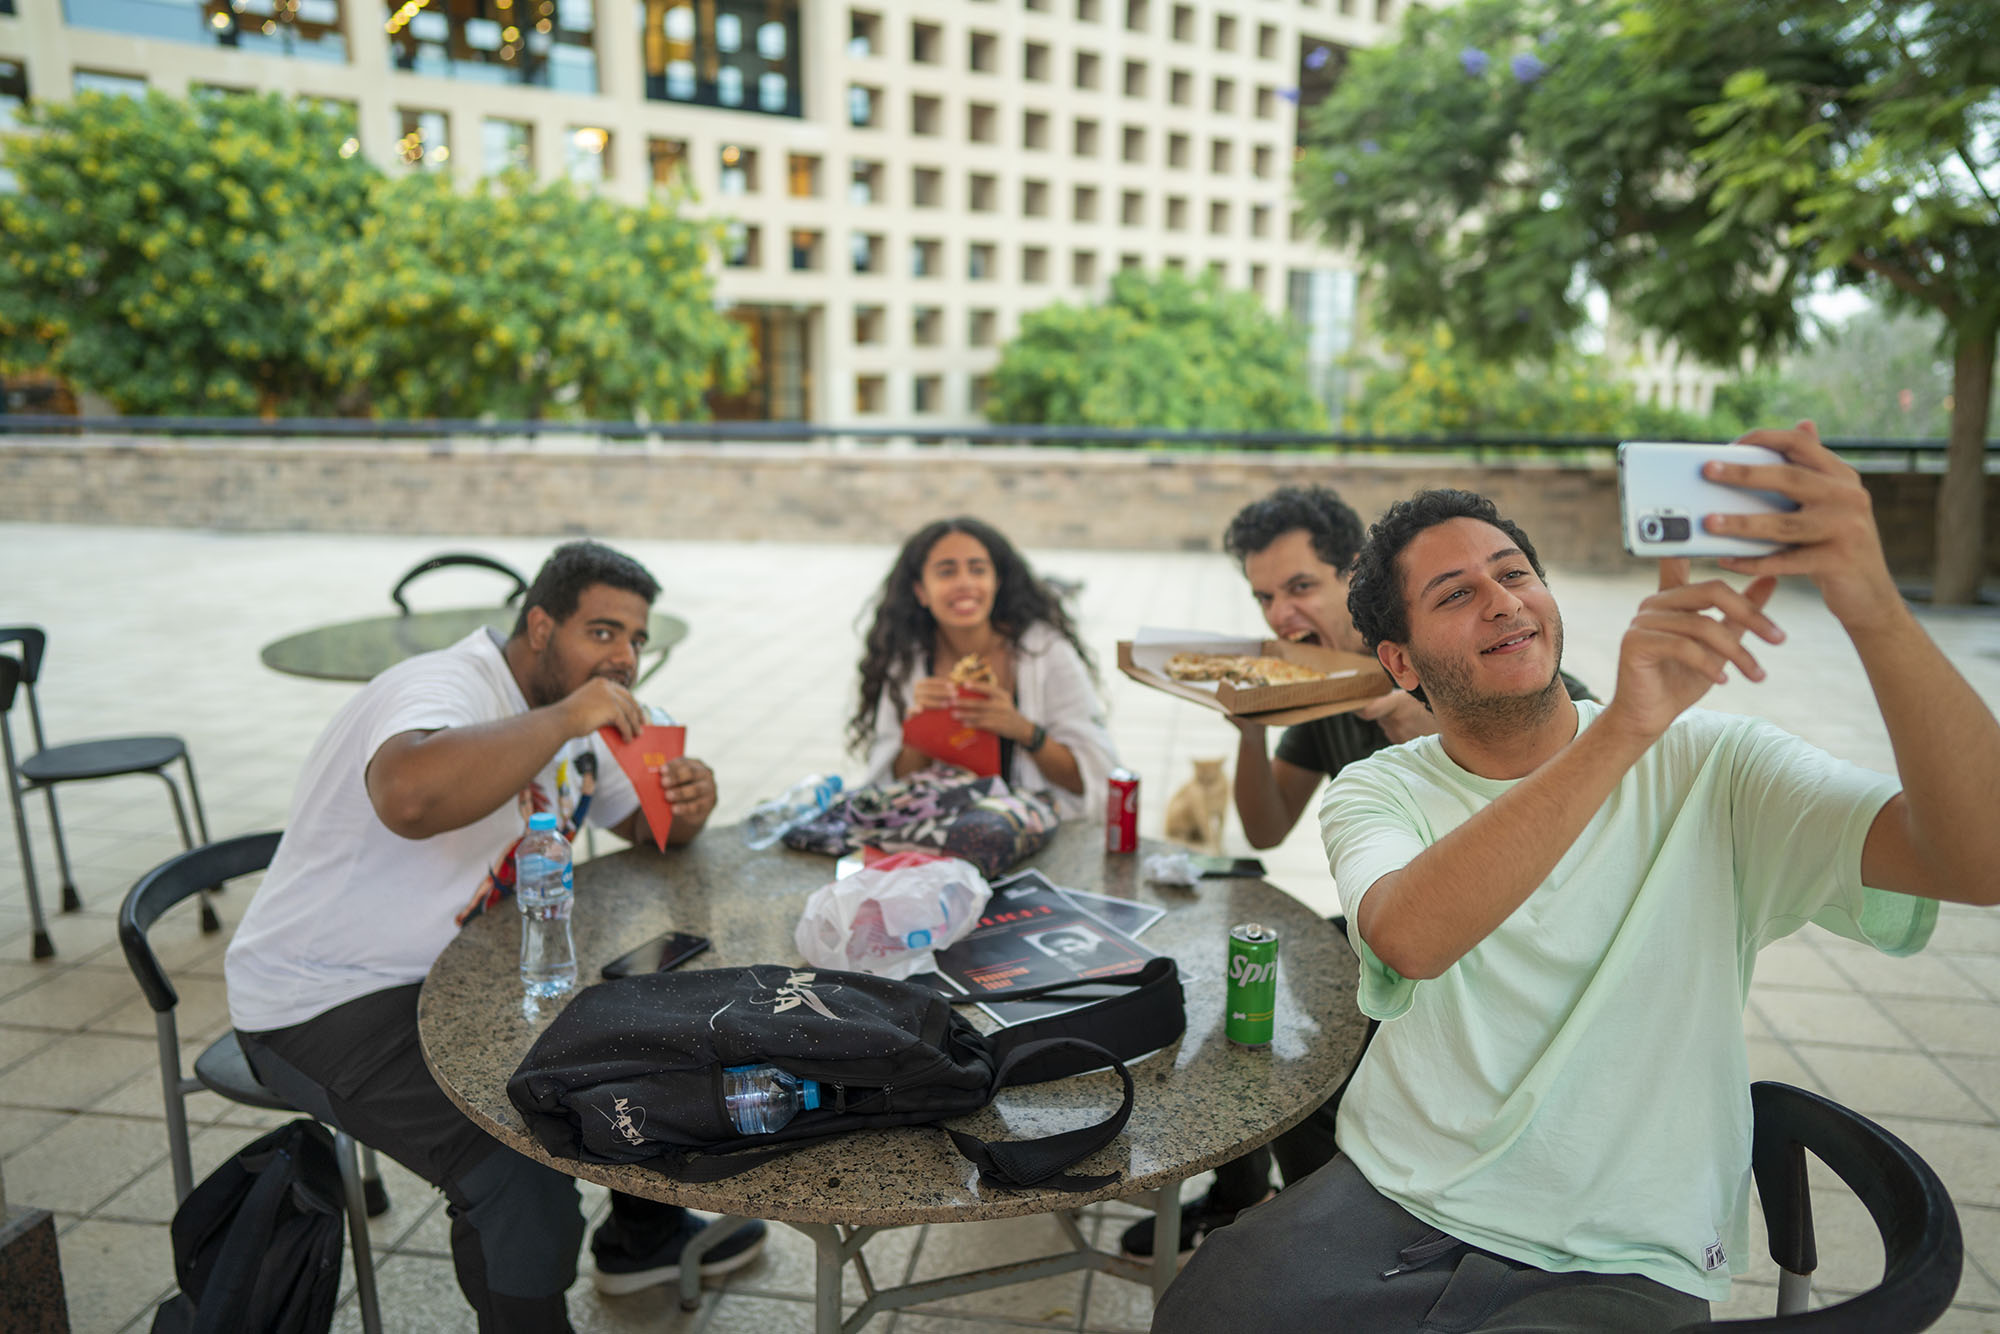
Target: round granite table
(360, 650)
(1200, 1102)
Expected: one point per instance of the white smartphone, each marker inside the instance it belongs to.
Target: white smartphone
(1663, 498)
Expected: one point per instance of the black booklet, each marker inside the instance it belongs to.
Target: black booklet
(1031, 934)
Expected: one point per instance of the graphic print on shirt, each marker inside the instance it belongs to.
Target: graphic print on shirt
(576, 783)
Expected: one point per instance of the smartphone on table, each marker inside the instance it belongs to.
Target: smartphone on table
(1663, 498)
(657, 955)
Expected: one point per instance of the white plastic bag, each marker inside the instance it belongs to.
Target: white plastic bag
(890, 918)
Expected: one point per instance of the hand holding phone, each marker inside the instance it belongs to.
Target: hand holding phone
(657, 955)
(1663, 499)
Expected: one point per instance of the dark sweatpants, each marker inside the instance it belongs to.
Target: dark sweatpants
(1314, 1258)
(515, 1224)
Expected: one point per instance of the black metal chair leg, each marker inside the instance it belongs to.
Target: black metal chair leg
(210, 923)
(44, 948)
(373, 1193)
(71, 901)
(194, 795)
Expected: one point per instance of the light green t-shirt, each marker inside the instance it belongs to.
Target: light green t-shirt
(1574, 1092)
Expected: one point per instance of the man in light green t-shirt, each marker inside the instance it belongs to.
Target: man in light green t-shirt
(1558, 907)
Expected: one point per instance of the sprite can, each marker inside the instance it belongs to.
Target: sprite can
(1252, 998)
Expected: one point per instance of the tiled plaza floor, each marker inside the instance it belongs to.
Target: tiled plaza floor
(159, 631)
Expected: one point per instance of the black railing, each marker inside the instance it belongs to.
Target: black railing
(800, 432)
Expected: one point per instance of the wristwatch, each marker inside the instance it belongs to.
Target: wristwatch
(1037, 737)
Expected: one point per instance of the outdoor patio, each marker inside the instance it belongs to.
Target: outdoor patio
(159, 630)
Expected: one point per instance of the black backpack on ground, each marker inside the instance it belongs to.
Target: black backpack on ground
(631, 1070)
(257, 1244)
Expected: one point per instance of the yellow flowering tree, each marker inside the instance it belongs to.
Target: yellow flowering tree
(141, 256)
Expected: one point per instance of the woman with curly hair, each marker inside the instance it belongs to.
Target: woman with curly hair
(958, 590)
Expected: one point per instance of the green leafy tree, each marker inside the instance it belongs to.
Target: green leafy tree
(141, 256)
(1161, 351)
(522, 301)
(1704, 164)
(1435, 385)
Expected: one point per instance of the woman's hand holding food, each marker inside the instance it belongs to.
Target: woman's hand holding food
(933, 692)
(990, 710)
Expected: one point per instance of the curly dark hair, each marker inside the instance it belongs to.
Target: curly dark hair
(575, 566)
(1375, 596)
(1335, 528)
(904, 630)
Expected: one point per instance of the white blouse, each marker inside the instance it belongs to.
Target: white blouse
(1051, 687)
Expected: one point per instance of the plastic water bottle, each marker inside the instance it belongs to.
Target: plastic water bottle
(763, 1098)
(806, 798)
(544, 887)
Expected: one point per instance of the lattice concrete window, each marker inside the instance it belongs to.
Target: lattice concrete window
(1035, 130)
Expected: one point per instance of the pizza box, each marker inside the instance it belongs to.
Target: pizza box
(1351, 680)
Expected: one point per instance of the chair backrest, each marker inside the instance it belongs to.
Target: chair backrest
(172, 881)
(1922, 1253)
(10, 681)
(34, 641)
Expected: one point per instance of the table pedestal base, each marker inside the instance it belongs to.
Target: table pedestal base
(837, 1246)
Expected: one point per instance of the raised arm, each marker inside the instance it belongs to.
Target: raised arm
(429, 782)
(1938, 838)
(1270, 794)
(1424, 918)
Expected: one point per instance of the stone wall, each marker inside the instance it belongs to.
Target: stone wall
(1042, 497)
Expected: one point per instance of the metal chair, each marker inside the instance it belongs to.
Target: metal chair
(79, 761)
(223, 1068)
(1921, 1250)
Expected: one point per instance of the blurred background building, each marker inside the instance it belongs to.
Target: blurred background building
(899, 181)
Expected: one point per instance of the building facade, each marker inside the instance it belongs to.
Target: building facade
(900, 181)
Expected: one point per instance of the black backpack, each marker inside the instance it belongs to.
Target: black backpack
(257, 1244)
(631, 1070)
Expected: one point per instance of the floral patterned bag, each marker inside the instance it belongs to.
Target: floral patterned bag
(937, 809)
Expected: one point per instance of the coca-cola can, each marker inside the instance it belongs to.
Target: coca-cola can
(1121, 816)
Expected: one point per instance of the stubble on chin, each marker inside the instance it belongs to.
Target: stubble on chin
(1489, 717)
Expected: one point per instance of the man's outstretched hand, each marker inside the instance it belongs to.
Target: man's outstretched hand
(1682, 643)
(1831, 537)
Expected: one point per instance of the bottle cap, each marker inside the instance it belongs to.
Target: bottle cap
(809, 1094)
(542, 820)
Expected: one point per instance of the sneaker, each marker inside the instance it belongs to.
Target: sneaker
(624, 1267)
(1197, 1220)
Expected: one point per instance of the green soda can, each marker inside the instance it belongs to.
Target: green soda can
(1252, 998)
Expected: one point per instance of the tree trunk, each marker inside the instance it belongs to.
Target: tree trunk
(1961, 508)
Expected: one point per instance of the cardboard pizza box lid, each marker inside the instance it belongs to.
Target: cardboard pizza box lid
(1351, 679)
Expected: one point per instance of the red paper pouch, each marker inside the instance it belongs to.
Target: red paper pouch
(942, 737)
(642, 758)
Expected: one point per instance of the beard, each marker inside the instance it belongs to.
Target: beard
(1448, 684)
(550, 679)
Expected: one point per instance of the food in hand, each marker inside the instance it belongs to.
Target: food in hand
(1239, 669)
(973, 670)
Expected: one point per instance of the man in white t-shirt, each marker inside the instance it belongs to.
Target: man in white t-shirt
(403, 826)
(1558, 907)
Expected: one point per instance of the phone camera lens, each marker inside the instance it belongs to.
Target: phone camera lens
(1675, 529)
(1651, 529)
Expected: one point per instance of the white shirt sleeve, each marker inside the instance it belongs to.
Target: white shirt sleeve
(887, 742)
(1055, 690)
(1368, 834)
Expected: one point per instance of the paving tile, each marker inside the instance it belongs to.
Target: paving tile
(149, 1198)
(70, 999)
(754, 1315)
(658, 1311)
(1926, 974)
(1980, 1229)
(1825, 1016)
(955, 1248)
(1965, 1319)
(1968, 933)
(1959, 1027)
(17, 1044)
(22, 1126)
(1966, 1157)
(1793, 963)
(417, 1295)
(77, 1070)
(1981, 1074)
(1888, 1083)
(114, 1273)
(202, 1013)
(78, 937)
(1773, 1061)
(789, 1264)
(84, 1161)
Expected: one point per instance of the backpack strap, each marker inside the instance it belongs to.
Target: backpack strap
(1147, 1013)
(226, 1297)
(1019, 1164)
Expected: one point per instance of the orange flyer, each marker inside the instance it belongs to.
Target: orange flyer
(642, 758)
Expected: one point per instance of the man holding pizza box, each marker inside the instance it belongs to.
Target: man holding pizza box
(399, 830)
